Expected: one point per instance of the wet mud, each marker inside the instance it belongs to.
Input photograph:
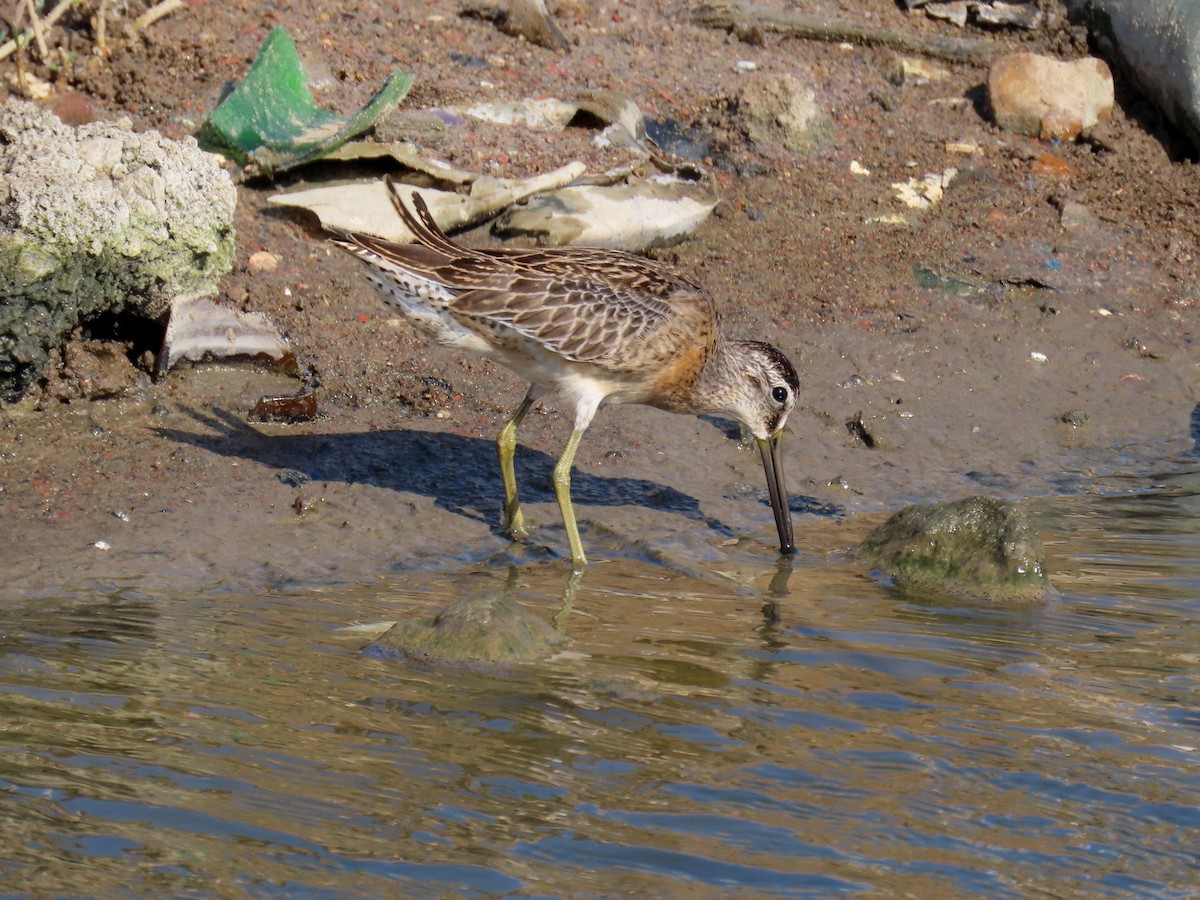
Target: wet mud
(982, 349)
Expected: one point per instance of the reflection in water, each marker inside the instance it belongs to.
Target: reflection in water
(810, 733)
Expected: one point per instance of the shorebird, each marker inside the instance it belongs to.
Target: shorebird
(594, 326)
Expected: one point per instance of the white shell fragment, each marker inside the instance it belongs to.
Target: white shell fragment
(634, 216)
(623, 120)
(366, 206)
(924, 192)
(202, 329)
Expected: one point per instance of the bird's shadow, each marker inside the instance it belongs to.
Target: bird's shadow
(459, 473)
(1195, 430)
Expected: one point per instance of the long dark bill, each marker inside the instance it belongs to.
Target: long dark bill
(773, 466)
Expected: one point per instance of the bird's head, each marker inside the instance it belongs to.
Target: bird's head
(763, 395)
(765, 390)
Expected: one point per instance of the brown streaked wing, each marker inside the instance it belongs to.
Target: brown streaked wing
(588, 320)
(589, 305)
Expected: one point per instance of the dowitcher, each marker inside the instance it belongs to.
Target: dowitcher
(594, 326)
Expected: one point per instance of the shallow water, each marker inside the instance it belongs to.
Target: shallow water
(749, 734)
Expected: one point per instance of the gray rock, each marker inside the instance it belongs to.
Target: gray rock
(99, 219)
(976, 549)
(1074, 215)
(1159, 41)
(490, 629)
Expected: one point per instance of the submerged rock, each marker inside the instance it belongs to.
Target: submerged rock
(492, 628)
(99, 220)
(977, 548)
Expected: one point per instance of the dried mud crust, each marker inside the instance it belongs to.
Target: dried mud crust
(1074, 359)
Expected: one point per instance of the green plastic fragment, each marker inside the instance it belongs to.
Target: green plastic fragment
(946, 284)
(271, 122)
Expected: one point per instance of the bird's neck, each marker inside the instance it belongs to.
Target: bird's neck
(702, 390)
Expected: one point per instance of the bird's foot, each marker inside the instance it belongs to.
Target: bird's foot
(515, 528)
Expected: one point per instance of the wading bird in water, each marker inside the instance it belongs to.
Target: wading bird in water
(594, 326)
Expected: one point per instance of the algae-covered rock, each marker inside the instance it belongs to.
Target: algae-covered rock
(491, 628)
(974, 549)
(99, 219)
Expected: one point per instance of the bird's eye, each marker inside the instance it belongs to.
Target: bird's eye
(779, 394)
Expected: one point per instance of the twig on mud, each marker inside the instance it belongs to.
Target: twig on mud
(35, 24)
(101, 27)
(20, 40)
(156, 12)
(745, 14)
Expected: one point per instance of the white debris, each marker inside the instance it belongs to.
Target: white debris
(924, 192)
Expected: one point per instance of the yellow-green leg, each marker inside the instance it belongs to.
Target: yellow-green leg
(562, 490)
(506, 445)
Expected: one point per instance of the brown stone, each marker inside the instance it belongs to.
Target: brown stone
(1049, 99)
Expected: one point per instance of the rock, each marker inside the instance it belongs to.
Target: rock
(1075, 215)
(984, 12)
(422, 126)
(491, 628)
(1076, 418)
(531, 20)
(528, 19)
(913, 70)
(263, 261)
(955, 11)
(976, 549)
(1159, 42)
(1048, 99)
(783, 110)
(99, 220)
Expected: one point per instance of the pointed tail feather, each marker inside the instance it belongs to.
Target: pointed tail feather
(420, 221)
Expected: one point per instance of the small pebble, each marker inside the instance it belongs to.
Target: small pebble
(121, 514)
(1038, 357)
(263, 261)
(966, 148)
(102, 545)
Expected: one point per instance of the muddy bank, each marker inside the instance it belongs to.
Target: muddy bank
(177, 491)
(984, 348)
